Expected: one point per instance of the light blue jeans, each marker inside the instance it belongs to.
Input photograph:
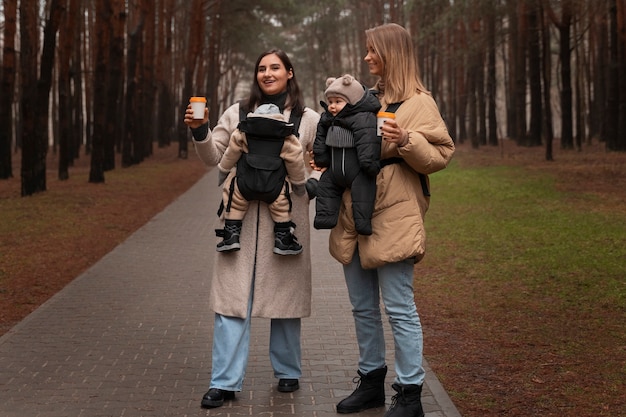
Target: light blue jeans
(231, 346)
(394, 282)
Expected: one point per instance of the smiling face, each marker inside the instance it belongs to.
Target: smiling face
(272, 76)
(374, 62)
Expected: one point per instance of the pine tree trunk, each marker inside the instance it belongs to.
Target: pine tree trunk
(534, 76)
(66, 43)
(565, 54)
(102, 31)
(7, 88)
(31, 162)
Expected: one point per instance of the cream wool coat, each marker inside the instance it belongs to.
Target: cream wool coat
(282, 286)
(398, 219)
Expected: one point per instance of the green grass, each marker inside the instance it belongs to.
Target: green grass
(502, 224)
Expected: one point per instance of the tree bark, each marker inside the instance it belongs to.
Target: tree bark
(519, 65)
(565, 53)
(492, 129)
(534, 76)
(31, 171)
(547, 83)
(114, 110)
(194, 49)
(148, 90)
(7, 88)
(35, 101)
(103, 35)
(621, 69)
(129, 147)
(66, 131)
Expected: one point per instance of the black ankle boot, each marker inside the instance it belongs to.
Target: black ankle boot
(370, 393)
(230, 233)
(285, 242)
(407, 402)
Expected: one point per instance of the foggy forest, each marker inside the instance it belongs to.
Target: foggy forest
(111, 77)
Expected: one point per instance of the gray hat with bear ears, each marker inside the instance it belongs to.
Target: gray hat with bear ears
(346, 87)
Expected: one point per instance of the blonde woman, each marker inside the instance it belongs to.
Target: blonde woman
(416, 144)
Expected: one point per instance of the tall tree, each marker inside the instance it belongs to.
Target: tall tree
(7, 88)
(131, 143)
(519, 70)
(546, 76)
(565, 53)
(35, 99)
(599, 54)
(492, 129)
(213, 57)
(114, 110)
(32, 181)
(621, 69)
(148, 87)
(460, 81)
(78, 84)
(67, 38)
(195, 42)
(615, 106)
(102, 41)
(165, 116)
(534, 76)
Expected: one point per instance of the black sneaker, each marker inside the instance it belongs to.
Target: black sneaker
(285, 243)
(288, 385)
(230, 233)
(215, 397)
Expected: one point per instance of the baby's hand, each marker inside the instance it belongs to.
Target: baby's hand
(312, 162)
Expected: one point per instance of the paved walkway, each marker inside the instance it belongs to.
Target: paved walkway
(131, 336)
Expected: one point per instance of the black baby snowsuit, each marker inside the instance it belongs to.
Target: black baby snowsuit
(347, 144)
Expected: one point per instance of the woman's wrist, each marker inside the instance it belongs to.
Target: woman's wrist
(404, 138)
(200, 133)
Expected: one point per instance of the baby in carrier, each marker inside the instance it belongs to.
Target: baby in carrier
(265, 151)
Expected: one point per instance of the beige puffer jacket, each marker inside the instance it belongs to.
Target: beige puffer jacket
(398, 219)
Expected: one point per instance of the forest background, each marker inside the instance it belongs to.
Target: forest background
(91, 85)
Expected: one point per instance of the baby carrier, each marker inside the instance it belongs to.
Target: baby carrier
(261, 173)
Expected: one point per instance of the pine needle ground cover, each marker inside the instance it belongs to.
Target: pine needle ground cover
(48, 239)
(521, 292)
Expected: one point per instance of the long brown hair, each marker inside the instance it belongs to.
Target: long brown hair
(294, 101)
(401, 76)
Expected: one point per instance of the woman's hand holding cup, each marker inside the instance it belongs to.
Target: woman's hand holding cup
(197, 113)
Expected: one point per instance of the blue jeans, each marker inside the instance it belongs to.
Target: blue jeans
(231, 345)
(394, 282)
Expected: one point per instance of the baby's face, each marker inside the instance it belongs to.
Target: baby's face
(335, 104)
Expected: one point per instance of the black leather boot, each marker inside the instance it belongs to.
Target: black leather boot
(285, 242)
(407, 402)
(230, 233)
(370, 393)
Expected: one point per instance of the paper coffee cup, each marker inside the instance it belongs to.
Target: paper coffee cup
(197, 105)
(381, 117)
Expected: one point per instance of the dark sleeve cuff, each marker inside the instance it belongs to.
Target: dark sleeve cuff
(199, 134)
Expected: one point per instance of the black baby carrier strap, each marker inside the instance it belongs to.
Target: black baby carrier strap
(392, 108)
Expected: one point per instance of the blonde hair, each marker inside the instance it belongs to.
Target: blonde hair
(401, 76)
